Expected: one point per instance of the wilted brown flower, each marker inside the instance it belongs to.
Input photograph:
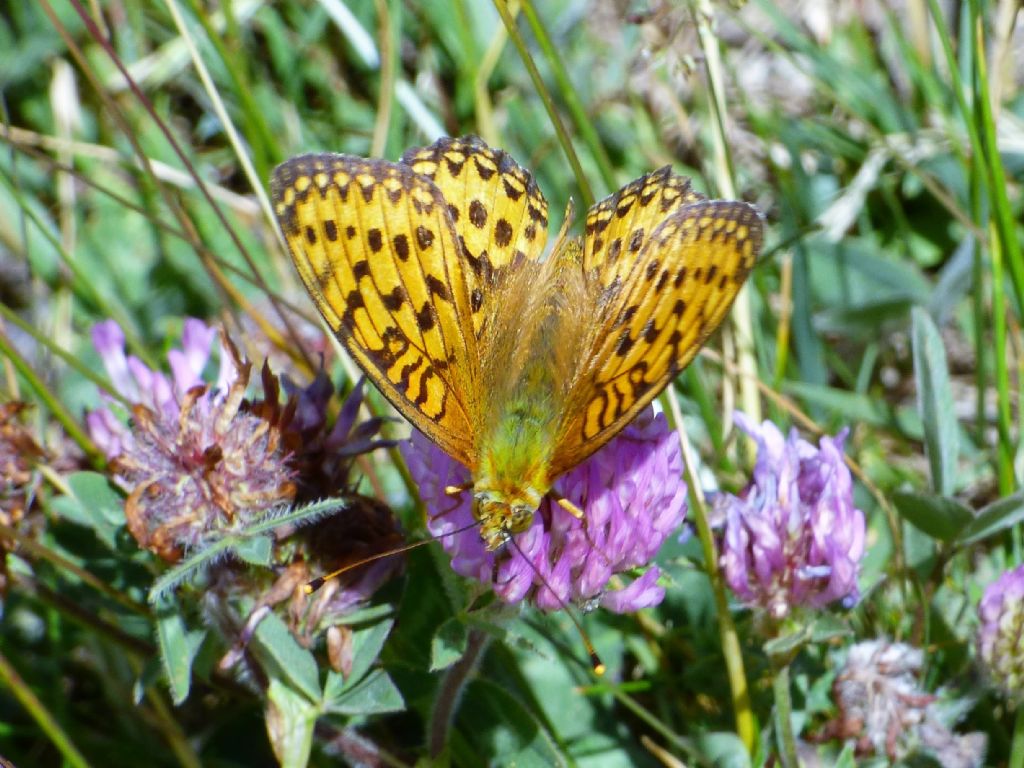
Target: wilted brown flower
(883, 708)
(363, 529)
(213, 469)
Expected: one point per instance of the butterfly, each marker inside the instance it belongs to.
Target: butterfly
(431, 272)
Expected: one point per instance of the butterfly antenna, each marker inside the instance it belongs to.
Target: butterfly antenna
(595, 661)
(313, 585)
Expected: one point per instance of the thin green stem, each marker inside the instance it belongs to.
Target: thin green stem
(171, 730)
(959, 92)
(223, 547)
(738, 687)
(724, 174)
(983, 180)
(979, 305)
(549, 104)
(186, 224)
(36, 550)
(220, 110)
(572, 101)
(654, 723)
(1004, 217)
(54, 405)
(481, 78)
(450, 690)
(725, 180)
(257, 130)
(386, 94)
(782, 334)
(46, 341)
(1017, 745)
(785, 738)
(1005, 251)
(103, 154)
(86, 617)
(80, 280)
(1004, 414)
(10, 679)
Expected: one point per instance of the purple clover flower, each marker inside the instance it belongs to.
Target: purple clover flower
(1001, 634)
(632, 495)
(140, 385)
(793, 536)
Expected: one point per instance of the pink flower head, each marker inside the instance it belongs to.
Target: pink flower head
(1001, 634)
(140, 385)
(632, 495)
(793, 536)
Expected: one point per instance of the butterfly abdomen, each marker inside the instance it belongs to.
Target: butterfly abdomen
(518, 448)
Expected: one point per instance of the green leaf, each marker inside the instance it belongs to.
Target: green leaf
(998, 516)
(846, 758)
(366, 647)
(424, 607)
(855, 406)
(496, 724)
(290, 719)
(95, 491)
(93, 503)
(255, 550)
(920, 551)
(935, 401)
(448, 644)
(374, 694)
(178, 648)
(940, 517)
(788, 643)
(826, 628)
(285, 658)
(822, 629)
(723, 750)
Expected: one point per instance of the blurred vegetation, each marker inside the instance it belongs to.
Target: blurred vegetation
(883, 141)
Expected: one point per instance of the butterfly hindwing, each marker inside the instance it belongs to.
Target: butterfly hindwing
(499, 213)
(656, 310)
(618, 227)
(376, 248)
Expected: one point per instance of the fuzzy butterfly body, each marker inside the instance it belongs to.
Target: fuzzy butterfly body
(430, 272)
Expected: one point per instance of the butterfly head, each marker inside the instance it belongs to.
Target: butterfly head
(502, 514)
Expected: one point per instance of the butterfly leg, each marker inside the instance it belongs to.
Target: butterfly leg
(567, 505)
(455, 490)
(576, 512)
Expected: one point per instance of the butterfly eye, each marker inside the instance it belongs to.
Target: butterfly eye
(519, 518)
(481, 506)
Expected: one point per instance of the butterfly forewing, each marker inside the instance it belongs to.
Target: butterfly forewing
(658, 310)
(376, 248)
(499, 213)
